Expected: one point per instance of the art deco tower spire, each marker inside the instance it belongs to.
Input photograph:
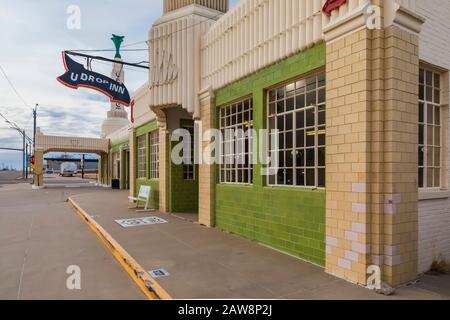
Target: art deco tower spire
(117, 117)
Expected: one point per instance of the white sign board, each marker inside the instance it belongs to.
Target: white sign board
(136, 222)
(159, 273)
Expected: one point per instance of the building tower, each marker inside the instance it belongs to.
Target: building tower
(219, 5)
(174, 85)
(117, 117)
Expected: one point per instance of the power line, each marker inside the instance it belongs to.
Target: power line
(147, 41)
(136, 65)
(14, 88)
(124, 46)
(15, 126)
(188, 27)
(109, 50)
(11, 149)
(125, 68)
(133, 44)
(25, 141)
(128, 45)
(8, 121)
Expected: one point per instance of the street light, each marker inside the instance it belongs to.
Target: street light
(25, 138)
(34, 127)
(24, 152)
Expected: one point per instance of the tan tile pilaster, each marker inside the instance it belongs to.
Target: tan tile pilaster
(39, 168)
(133, 161)
(206, 167)
(164, 158)
(371, 201)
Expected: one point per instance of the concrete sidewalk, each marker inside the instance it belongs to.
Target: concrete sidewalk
(207, 263)
(40, 236)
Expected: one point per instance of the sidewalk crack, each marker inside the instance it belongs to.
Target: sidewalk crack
(19, 291)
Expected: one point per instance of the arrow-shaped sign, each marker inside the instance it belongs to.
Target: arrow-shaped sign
(77, 76)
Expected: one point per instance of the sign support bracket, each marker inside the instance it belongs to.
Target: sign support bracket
(136, 65)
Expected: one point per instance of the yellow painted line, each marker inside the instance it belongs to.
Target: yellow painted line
(147, 284)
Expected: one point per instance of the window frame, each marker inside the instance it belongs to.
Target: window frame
(189, 172)
(143, 150)
(153, 138)
(225, 173)
(441, 126)
(320, 77)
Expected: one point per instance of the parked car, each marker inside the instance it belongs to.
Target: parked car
(68, 169)
(49, 171)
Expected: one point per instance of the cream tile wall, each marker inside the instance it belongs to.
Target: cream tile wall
(434, 215)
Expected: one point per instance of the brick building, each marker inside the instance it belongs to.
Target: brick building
(359, 96)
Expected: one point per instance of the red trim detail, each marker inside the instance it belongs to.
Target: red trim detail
(88, 86)
(332, 5)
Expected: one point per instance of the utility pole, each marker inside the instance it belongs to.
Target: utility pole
(82, 166)
(34, 133)
(34, 126)
(26, 161)
(30, 152)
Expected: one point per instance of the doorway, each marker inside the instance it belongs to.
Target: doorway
(183, 179)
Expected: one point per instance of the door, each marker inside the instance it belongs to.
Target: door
(127, 171)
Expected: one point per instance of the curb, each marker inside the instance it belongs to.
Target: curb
(148, 285)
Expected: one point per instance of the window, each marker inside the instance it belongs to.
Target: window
(236, 146)
(154, 155)
(297, 111)
(141, 163)
(430, 127)
(116, 167)
(188, 167)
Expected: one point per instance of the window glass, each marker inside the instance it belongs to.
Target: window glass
(236, 125)
(297, 111)
(154, 155)
(429, 129)
(141, 159)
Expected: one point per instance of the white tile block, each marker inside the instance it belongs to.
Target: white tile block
(359, 207)
(351, 236)
(352, 256)
(360, 248)
(359, 187)
(331, 241)
(345, 264)
(358, 227)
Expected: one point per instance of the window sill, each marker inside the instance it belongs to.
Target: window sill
(433, 194)
(234, 184)
(294, 188)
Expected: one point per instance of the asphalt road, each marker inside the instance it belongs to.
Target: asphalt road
(41, 238)
(10, 177)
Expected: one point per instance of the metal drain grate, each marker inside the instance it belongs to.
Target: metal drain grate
(136, 222)
(159, 273)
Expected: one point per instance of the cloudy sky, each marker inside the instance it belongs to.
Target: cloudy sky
(32, 36)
